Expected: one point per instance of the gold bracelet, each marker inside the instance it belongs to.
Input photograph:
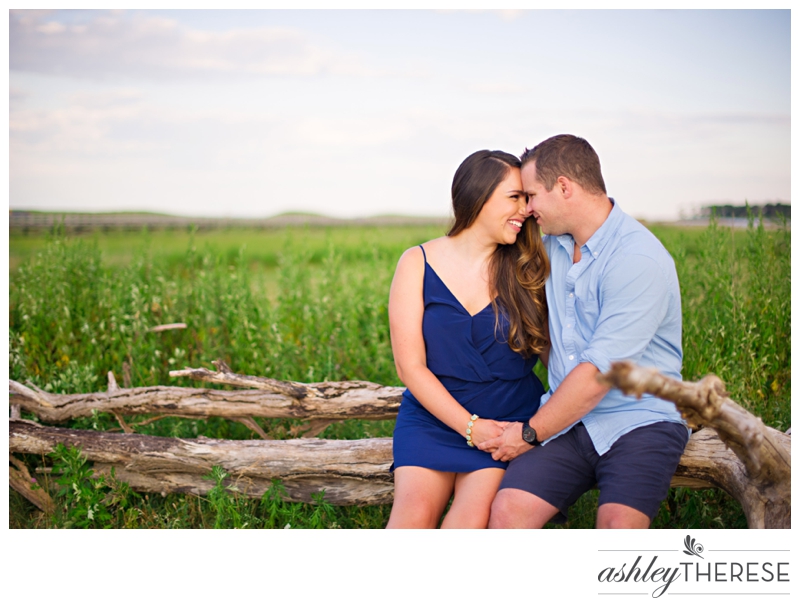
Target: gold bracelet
(472, 420)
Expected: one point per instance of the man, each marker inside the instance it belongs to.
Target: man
(612, 294)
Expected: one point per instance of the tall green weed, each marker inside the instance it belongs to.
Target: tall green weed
(736, 298)
(315, 309)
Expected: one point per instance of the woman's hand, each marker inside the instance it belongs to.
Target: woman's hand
(484, 429)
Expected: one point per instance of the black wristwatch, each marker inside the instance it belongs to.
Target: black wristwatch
(529, 435)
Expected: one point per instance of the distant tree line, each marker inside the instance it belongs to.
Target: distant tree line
(33, 221)
(768, 210)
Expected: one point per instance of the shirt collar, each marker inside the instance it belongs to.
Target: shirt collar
(601, 236)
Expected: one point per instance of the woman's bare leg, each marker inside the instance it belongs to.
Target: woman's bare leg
(420, 497)
(472, 502)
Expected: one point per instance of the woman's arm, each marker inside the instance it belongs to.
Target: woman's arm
(408, 347)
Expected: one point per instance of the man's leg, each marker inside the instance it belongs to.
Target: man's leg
(617, 516)
(514, 508)
(635, 474)
(544, 481)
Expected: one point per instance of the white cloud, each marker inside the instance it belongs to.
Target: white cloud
(114, 45)
(51, 27)
(114, 98)
(252, 145)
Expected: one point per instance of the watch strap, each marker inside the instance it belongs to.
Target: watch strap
(528, 430)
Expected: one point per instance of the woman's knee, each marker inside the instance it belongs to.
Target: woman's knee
(420, 497)
(463, 517)
(415, 512)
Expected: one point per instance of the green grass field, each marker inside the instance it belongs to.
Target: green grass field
(310, 304)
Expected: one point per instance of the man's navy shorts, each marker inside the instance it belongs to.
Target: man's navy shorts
(636, 470)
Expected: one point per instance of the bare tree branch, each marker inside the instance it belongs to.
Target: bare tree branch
(326, 401)
(761, 477)
(167, 327)
(21, 480)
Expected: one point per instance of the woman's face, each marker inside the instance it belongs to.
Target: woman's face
(504, 213)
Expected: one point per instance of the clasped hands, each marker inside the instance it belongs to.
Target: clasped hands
(503, 440)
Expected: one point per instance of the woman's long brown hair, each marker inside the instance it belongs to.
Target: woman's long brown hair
(519, 270)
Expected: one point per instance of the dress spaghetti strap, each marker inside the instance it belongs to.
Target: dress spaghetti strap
(425, 257)
(477, 367)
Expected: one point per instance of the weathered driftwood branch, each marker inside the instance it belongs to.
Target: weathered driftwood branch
(350, 472)
(755, 470)
(328, 401)
(224, 375)
(759, 477)
(21, 480)
(167, 327)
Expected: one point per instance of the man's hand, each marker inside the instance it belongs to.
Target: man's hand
(507, 446)
(484, 430)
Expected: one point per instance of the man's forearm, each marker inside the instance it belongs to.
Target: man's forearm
(577, 395)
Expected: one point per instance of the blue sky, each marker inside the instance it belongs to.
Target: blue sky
(353, 113)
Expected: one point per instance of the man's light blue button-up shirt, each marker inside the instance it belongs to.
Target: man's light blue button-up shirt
(620, 301)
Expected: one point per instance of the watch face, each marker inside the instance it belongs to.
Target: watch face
(528, 434)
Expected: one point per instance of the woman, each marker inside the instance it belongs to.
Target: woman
(467, 315)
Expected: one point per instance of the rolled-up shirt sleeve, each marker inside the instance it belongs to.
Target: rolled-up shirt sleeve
(633, 301)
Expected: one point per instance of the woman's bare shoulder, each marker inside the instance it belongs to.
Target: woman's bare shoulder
(414, 255)
(436, 244)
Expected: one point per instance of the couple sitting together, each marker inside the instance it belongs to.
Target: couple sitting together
(471, 312)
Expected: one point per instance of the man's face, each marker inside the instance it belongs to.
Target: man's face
(547, 208)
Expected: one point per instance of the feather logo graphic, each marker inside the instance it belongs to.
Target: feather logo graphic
(692, 548)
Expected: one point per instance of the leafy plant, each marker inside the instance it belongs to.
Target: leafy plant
(87, 502)
(310, 304)
(224, 502)
(281, 513)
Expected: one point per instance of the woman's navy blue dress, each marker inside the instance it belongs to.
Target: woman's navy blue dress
(472, 359)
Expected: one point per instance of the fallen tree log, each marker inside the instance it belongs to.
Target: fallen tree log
(351, 472)
(737, 452)
(354, 472)
(319, 403)
(758, 471)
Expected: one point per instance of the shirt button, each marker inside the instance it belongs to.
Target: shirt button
(570, 295)
(569, 324)
(571, 357)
